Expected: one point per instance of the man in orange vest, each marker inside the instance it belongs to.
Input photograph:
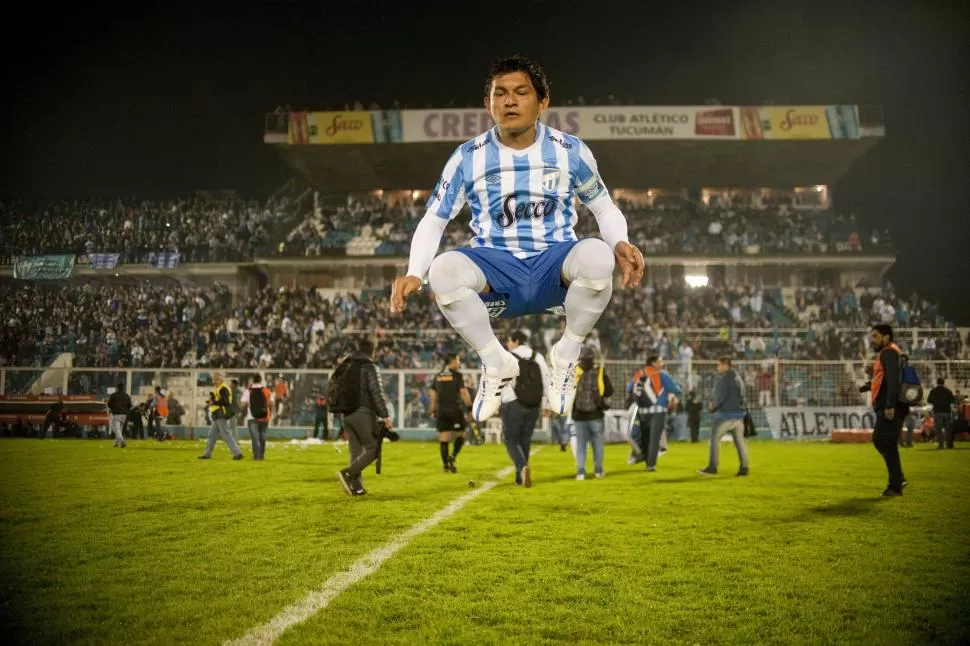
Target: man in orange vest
(887, 379)
(159, 410)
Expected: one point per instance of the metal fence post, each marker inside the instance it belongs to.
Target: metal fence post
(777, 369)
(400, 400)
(3, 381)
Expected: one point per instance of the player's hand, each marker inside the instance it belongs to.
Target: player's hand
(432, 413)
(890, 413)
(403, 287)
(630, 261)
(387, 423)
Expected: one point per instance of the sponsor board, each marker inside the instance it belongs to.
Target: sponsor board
(785, 122)
(331, 128)
(590, 123)
(816, 423)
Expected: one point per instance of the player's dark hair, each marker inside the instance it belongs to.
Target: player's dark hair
(366, 347)
(120, 387)
(516, 63)
(450, 356)
(652, 359)
(940, 381)
(256, 378)
(885, 330)
(519, 337)
(726, 361)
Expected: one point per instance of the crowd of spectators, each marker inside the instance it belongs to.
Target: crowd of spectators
(175, 325)
(106, 324)
(204, 228)
(670, 225)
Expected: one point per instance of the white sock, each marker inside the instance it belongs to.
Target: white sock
(457, 281)
(589, 269)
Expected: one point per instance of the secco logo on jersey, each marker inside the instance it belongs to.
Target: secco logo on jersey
(512, 211)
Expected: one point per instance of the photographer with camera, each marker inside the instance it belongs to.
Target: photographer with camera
(356, 392)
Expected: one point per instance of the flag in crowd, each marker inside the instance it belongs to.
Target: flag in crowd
(164, 259)
(103, 260)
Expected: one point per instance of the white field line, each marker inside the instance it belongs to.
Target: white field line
(366, 565)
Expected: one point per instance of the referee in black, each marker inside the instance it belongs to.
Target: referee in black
(449, 400)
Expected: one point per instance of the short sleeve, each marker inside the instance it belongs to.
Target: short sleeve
(448, 195)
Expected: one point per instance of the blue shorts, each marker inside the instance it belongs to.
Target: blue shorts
(522, 286)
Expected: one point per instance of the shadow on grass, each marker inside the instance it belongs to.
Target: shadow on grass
(844, 508)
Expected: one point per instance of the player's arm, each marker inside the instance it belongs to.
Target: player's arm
(466, 397)
(434, 401)
(591, 191)
(444, 204)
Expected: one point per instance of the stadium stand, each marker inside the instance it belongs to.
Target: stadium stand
(673, 224)
(208, 227)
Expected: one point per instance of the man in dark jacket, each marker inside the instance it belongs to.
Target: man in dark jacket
(884, 386)
(364, 425)
(942, 400)
(119, 405)
(693, 408)
(728, 409)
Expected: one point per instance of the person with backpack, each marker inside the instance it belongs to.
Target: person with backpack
(355, 391)
(449, 400)
(593, 388)
(652, 387)
(221, 410)
(729, 413)
(257, 401)
(885, 387)
(522, 400)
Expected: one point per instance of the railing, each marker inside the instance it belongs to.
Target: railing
(769, 383)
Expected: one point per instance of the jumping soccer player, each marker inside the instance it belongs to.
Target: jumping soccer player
(448, 399)
(519, 179)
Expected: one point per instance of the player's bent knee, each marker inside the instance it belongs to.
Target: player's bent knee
(592, 264)
(451, 274)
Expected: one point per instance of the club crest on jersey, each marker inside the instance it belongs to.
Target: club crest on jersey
(550, 180)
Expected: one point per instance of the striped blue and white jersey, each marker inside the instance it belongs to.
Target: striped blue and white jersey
(521, 201)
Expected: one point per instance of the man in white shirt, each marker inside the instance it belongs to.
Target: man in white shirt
(522, 401)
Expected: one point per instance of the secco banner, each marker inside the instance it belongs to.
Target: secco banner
(816, 423)
(331, 128)
(785, 122)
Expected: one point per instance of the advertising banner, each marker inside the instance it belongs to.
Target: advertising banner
(816, 423)
(843, 121)
(386, 125)
(341, 128)
(331, 128)
(462, 125)
(590, 123)
(785, 122)
(43, 267)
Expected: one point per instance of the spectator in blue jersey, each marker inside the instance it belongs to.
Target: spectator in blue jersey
(519, 180)
(652, 387)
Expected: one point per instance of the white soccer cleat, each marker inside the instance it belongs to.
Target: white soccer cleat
(488, 399)
(561, 389)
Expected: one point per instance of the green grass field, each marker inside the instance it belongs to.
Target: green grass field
(150, 545)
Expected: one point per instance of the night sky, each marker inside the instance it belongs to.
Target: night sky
(165, 100)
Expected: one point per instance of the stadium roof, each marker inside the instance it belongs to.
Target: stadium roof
(636, 147)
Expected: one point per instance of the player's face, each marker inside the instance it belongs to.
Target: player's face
(512, 102)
